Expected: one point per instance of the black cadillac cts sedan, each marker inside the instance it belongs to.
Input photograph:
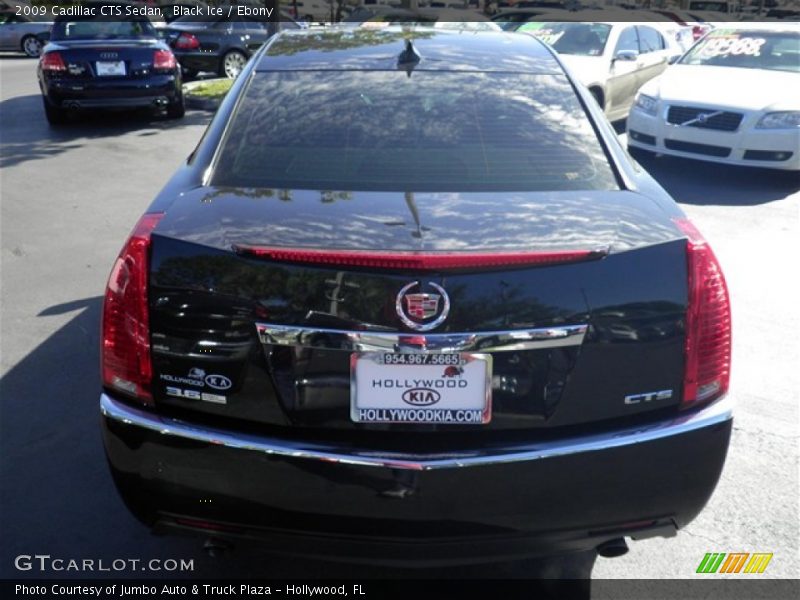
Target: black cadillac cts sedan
(409, 301)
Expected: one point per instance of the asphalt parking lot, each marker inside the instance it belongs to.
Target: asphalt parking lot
(70, 197)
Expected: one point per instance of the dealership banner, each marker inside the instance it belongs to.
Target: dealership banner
(409, 12)
(367, 589)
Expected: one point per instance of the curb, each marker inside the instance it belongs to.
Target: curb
(197, 102)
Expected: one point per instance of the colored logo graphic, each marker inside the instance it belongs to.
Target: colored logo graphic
(422, 306)
(414, 309)
(735, 562)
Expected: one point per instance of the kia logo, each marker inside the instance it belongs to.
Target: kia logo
(218, 382)
(421, 397)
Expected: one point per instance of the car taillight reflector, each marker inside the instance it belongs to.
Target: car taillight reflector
(708, 323)
(187, 41)
(416, 261)
(52, 61)
(164, 59)
(126, 365)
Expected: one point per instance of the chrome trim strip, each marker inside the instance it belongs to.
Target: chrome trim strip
(373, 341)
(719, 412)
(702, 118)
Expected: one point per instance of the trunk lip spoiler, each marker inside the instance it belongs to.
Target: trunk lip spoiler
(419, 260)
(718, 413)
(430, 343)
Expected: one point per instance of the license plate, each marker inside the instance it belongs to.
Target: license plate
(446, 389)
(105, 69)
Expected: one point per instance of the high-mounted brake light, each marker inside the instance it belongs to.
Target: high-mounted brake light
(187, 41)
(708, 323)
(164, 60)
(52, 61)
(435, 261)
(125, 358)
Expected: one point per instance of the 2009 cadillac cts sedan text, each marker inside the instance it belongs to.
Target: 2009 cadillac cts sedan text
(409, 289)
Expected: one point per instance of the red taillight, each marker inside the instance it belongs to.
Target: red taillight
(52, 61)
(708, 323)
(125, 359)
(164, 60)
(187, 41)
(434, 261)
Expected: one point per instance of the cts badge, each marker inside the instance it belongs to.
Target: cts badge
(418, 308)
(648, 397)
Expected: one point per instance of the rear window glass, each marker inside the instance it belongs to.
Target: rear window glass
(432, 131)
(107, 28)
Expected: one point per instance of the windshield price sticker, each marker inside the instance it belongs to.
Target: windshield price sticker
(732, 45)
(446, 388)
(548, 36)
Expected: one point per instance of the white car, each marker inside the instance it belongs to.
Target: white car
(734, 98)
(612, 59)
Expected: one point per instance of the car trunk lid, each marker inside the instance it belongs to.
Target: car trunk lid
(215, 310)
(104, 60)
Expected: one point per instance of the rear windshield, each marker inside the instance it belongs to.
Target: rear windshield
(106, 28)
(432, 131)
(753, 49)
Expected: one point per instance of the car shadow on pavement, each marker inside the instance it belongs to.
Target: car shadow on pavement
(704, 183)
(58, 498)
(27, 136)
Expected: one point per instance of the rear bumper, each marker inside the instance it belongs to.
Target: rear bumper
(369, 506)
(155, 91)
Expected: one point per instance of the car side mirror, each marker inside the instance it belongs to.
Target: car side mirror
(673, 59)
(626, 55)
